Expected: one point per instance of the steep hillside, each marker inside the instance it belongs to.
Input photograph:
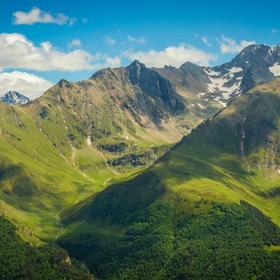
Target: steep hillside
(208, 209)
(23, 256)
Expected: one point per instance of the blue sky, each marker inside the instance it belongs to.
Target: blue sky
(43, 41)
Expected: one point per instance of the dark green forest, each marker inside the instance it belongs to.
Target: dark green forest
(21, 260)
(228, 242)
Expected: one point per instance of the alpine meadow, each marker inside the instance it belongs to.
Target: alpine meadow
(139, 141)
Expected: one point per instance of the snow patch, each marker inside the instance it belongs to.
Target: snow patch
(219, 82)
(212, 72)
(275, 69)
(218, 99)
(201, 94)
(234, 70)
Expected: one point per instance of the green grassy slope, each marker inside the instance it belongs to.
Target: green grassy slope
(36, 182)
(208, 209)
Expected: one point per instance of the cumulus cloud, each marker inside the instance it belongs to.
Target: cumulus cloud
(173, 55)
(35, 15)
(75, 43)
(112, 62)
(140, 40)
(229, 45)
(16, 51)
(28, 84)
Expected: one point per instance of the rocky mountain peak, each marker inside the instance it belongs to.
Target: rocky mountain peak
(135, 70)
(136, 63)
(64, 83)
(248, 55)
(189, 66)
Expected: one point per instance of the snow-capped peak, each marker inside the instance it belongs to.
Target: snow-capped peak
(14, 97)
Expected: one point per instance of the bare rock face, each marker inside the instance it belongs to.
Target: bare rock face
(255, 65)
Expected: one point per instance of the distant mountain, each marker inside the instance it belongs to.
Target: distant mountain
(14, 97)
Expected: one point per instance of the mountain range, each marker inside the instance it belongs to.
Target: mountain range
(199, 210)
(149, 173)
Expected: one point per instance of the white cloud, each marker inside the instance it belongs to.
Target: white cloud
(228, 45)
(140, 40)
(274, 30)
(35, 15)
(110, 40)
(173, 55)
(75, 43)
(112, 62)
(28, 84)
(16, 51)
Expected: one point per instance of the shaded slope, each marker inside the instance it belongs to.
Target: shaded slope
(32, 259)
(228, 241)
